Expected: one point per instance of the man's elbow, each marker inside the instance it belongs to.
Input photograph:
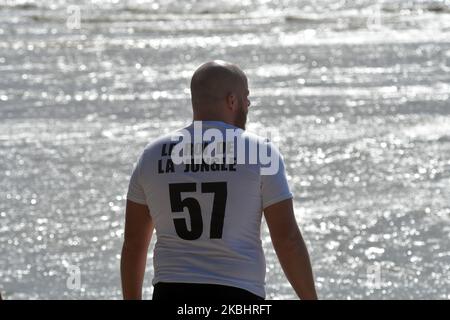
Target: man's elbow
(288, 242)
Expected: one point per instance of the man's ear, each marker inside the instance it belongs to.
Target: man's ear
(232, 101)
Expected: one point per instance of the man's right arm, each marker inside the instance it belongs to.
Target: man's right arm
(290, 248)
(138, 234)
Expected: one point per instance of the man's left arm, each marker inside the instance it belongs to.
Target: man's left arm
(138, 233)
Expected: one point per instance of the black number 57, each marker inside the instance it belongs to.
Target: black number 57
(218, 211)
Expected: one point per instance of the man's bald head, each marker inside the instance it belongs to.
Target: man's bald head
(213, 81)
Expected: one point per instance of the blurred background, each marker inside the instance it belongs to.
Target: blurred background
(357, 90)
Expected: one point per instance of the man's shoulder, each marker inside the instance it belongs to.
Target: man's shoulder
(263, 143)
(253, 137)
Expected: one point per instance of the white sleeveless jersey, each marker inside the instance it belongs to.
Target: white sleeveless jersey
(207, 217)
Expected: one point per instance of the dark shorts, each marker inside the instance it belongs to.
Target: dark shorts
(200, 292)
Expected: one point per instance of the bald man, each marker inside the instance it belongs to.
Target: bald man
(207, 214)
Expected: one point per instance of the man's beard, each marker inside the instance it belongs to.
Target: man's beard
(241, 117)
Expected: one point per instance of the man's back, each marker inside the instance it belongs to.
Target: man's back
(206, 202)
(208, 216)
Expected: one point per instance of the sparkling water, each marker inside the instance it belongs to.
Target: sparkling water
(358, 92)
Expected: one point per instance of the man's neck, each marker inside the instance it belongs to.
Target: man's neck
(212, 118)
